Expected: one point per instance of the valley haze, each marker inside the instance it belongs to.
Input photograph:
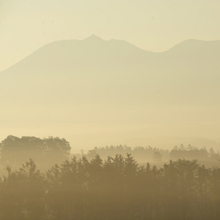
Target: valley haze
(95, 92)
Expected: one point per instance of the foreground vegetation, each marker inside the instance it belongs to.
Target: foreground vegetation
(106, 183)
(116, 188)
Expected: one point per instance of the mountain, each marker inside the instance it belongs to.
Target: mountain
(116, 71)
(117, 85)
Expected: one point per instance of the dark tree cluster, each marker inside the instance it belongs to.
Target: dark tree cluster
(191, 152)
(143, 154)
(114, 189)
(14, 151)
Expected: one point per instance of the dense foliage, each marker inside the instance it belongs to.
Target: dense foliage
(116, 188)
(143, 154)
(14, 151)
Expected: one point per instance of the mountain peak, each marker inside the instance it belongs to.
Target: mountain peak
(93, 38)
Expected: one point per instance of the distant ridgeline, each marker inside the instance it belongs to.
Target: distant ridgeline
(46, 152)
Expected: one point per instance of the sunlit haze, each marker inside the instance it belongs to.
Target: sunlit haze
(109, 109)
(117, 93)
(152, 25)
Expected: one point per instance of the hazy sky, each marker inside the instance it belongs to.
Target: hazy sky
(154, 25)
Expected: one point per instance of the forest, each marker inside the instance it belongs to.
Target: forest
(153, 154)
(93, 187)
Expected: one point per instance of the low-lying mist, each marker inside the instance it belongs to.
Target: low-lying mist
(46, 152)
(86, 186)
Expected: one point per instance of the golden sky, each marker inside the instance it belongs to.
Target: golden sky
(154, 25)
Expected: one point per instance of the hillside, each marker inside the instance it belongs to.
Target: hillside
(112, 88)
(117, 72)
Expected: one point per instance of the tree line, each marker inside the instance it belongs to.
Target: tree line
(45, 152)
(143, 154)
(113, 189)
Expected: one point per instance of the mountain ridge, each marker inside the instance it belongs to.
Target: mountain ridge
(93, 39)
(114, 89)
(94, 66)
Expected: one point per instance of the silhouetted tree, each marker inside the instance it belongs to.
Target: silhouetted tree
(47, 151)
